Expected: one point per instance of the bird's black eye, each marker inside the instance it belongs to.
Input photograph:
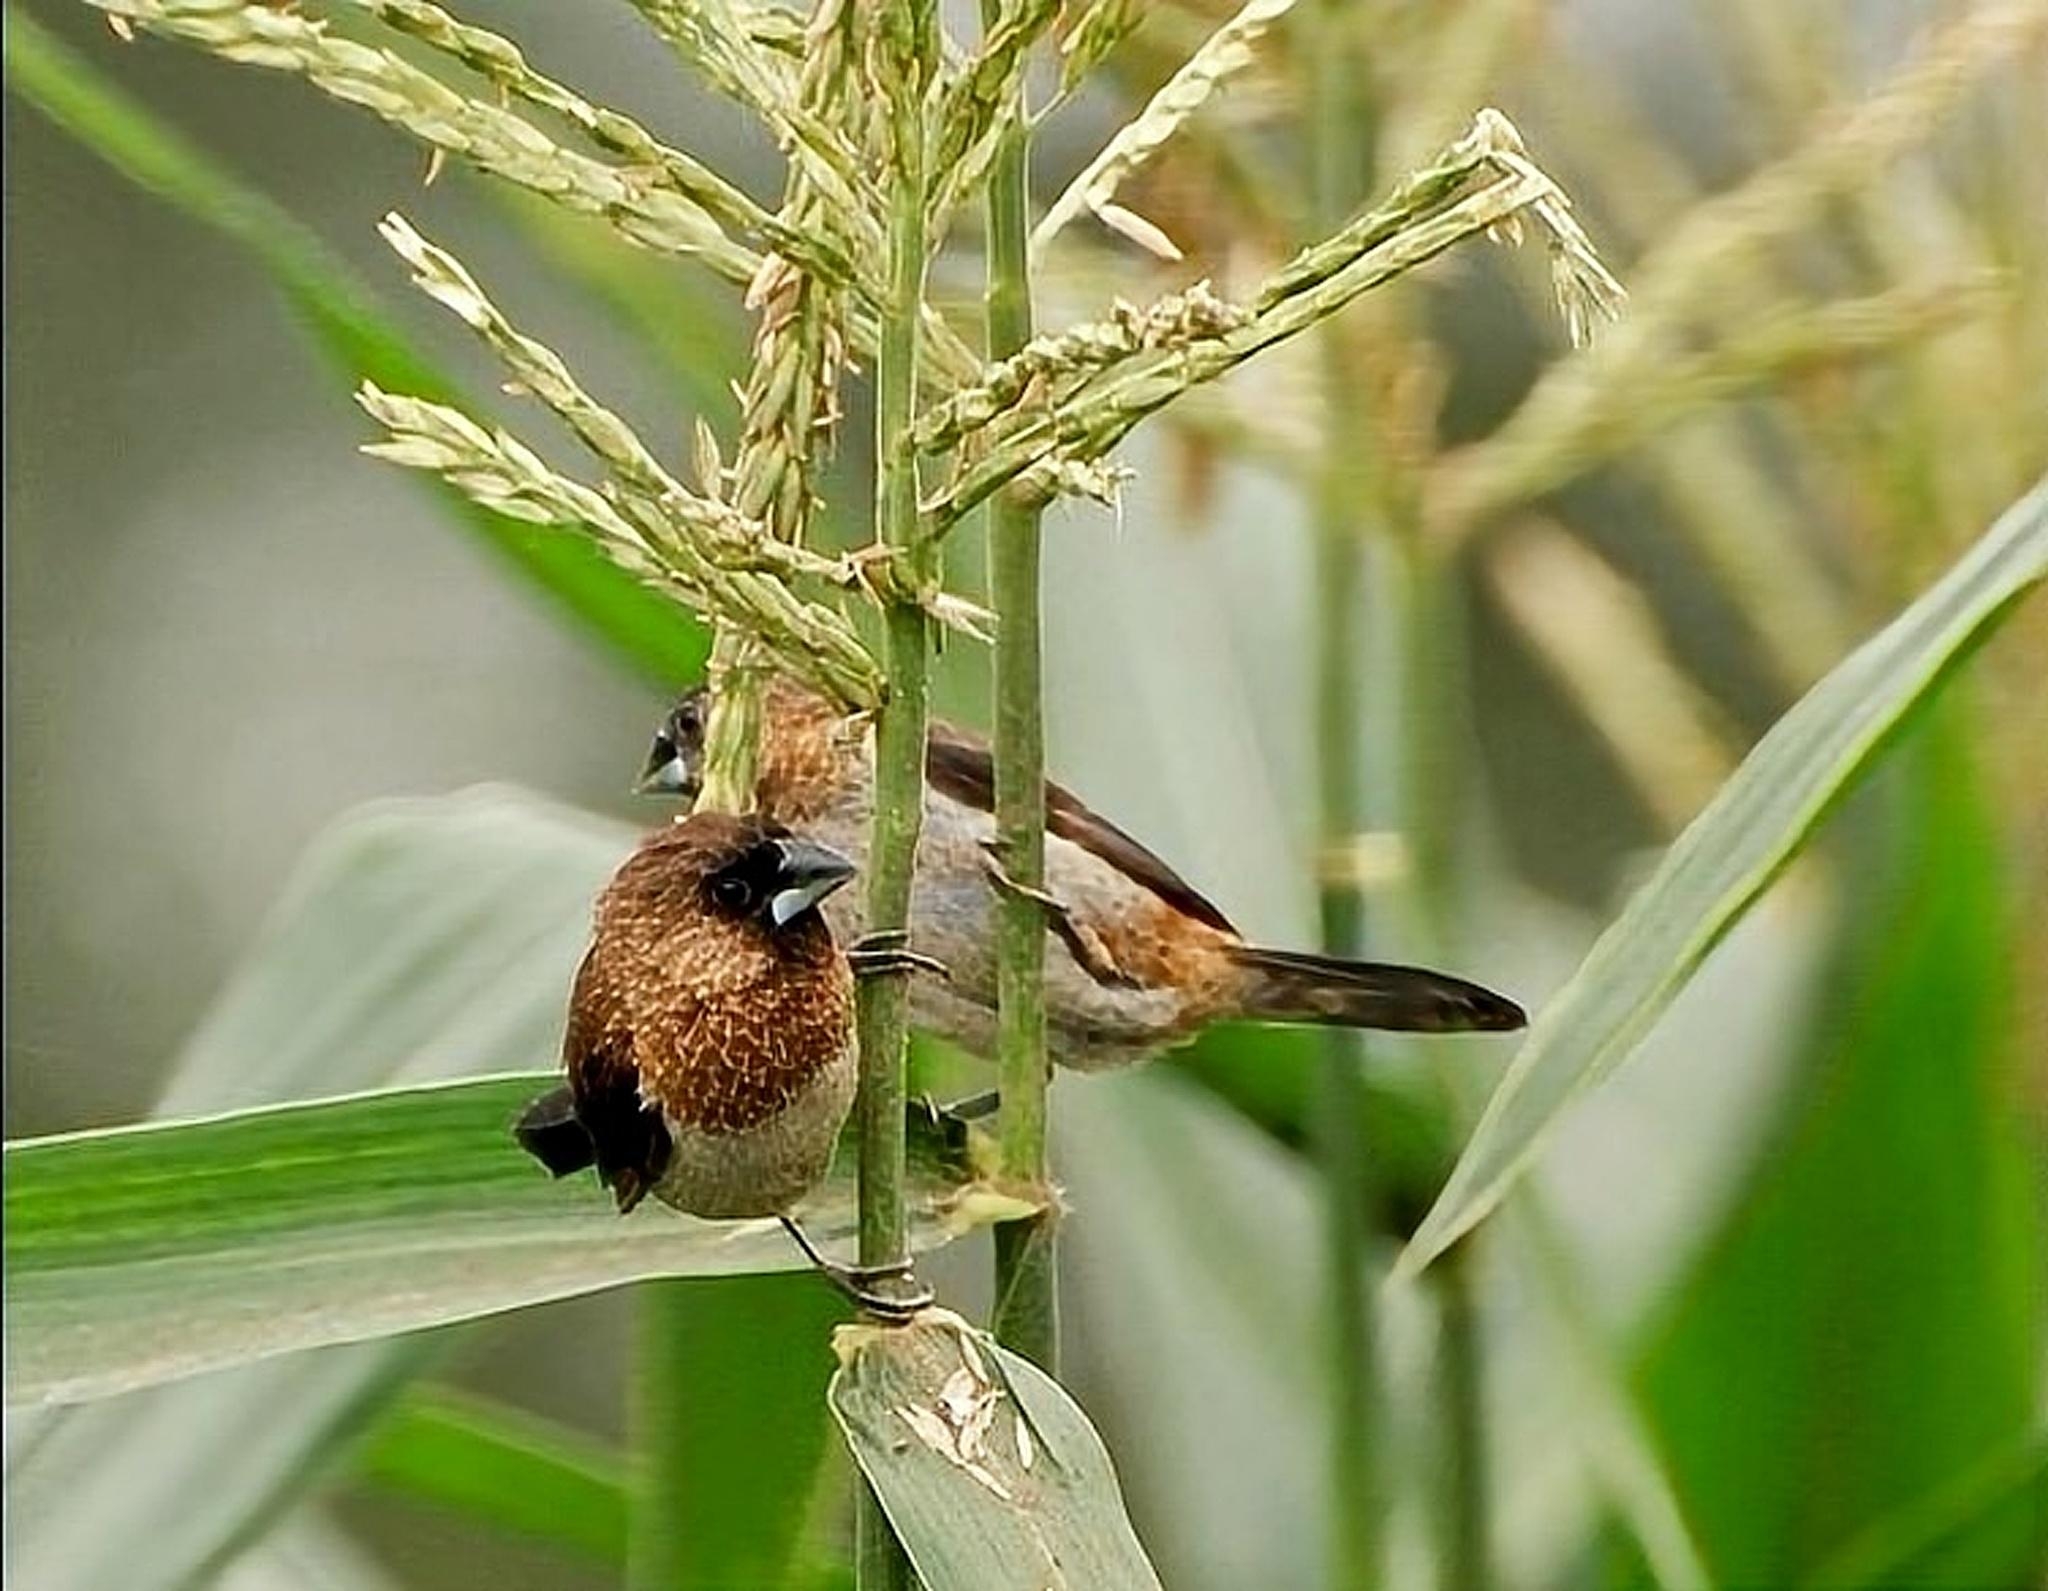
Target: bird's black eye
(689, 722)
(733, 891)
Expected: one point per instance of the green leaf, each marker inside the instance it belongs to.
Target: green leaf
(509, 1469)
(1725, 859)
(142, 1254)
(991, 1476)
(655, 636)
(1867, 1327)
(1906, 1547)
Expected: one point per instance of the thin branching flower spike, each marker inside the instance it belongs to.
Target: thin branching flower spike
(1228, 51)
(499, 60)
(498, 471)
(641, 201)
(1474, 185)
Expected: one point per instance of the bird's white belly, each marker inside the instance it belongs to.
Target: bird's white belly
(764, 1169)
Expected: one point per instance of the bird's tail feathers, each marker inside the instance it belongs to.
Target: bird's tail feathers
(550, 1130)
(1294, 986)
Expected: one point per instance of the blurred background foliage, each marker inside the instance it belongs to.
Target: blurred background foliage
(1775, 1317)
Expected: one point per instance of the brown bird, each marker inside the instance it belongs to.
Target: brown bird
(1143, 960)
(710, 1044)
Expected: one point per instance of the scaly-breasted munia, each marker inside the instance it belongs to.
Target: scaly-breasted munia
(1143, 961)
(710, 1045)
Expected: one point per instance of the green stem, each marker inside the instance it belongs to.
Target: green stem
(1422, 607)
(903, 43)
(1355, 1503)
(1463, 1555)
(1423, 602)
(1342, 1151)
(901, 722)
(1026, 1314)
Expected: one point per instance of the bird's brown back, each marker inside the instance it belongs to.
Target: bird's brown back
(811, 754)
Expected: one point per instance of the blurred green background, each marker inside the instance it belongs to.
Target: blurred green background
(1791, 1259)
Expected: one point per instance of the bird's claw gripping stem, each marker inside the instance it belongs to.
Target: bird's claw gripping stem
(1083, 943)
(857, 1282)
(888, 951)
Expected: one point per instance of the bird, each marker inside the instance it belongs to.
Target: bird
(709, 1046)
(1142, 960)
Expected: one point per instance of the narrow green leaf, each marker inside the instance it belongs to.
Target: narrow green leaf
(1726, 857)
(990, 1474)
(142, 1254)
(655, 636)
(504, 1467)
(1890, 1238)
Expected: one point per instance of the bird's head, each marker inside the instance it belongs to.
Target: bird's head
(809, 748)
(714, 886)
(770, 877)
(675, 762)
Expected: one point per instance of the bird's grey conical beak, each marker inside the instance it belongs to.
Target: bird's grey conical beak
(664, 773)
(809, 873)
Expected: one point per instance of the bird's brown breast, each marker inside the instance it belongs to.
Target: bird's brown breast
(722, 1027)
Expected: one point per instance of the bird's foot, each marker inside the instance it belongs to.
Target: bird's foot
(863, 1285)
(1088, 948)
(888, 951)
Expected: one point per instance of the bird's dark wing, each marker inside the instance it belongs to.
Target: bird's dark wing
(628, 1139)
(960, 765)
(550, 1130)
(1294, 986)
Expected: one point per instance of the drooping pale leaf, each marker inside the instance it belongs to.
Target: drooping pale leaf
(1727, 856)
(991, 1476)
(512, 1471)
(658, 638)
(1891, 1238)
(1221, 1433)
(416, 940)
(142, 1254)
(198, 1469)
